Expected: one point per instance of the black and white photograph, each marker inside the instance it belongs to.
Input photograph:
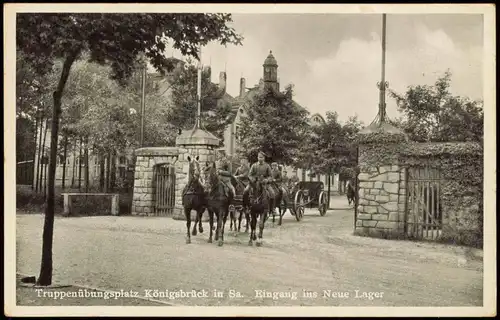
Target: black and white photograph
(239, 159)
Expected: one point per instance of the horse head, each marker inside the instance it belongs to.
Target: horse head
(194, 171)
(209, 178)
(256, 189)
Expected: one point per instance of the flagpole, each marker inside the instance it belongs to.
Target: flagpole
(198, 93)
(383, 84)
(143, 102)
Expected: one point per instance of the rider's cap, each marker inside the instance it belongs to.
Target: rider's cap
(262, 154)
(274, 163)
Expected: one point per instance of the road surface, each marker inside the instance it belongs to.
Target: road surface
(315, 262)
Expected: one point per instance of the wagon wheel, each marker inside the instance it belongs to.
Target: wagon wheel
(298, 205)
(322, 203)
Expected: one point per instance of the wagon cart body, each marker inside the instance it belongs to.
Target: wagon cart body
(308, 194)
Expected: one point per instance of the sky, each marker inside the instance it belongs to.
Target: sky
(334, 60)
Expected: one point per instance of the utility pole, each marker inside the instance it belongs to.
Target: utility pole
(143, 101)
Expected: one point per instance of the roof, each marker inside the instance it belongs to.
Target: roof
(270, 60)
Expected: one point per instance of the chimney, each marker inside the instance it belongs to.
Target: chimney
(242, 87)
(222, 81)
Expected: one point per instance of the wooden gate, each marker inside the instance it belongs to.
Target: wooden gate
(423, 205)
(165, 190)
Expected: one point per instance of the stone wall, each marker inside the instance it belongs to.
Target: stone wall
(196, 142)
(381, 194)
(147, 158)
(382, 188)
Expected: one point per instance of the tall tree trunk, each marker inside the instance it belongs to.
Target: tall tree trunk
(73, 171)
(45, 167)
(108, 171)
(87, 164)
(42, 171)
(33, 182)
(45, 278)
(80, 166)
(64, 158)
(113, 171)
(39, 155)
(102, 171)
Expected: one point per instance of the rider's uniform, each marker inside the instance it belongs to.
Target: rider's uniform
(242, 173)
(222, 166)
(277, 179)
(261, 171)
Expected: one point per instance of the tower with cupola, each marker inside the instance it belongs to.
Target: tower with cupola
(271, 72)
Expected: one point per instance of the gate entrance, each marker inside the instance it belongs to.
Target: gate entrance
(165, 190)
(423, 206)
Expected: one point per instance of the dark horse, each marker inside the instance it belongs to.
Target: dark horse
(218, 199)
(235, 215)
(280, 202)
(259, 204)
(193, 198)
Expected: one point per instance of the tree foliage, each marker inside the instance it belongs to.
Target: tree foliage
(215, 109)
(331, 146)
(432, 113)
(275, 124)
(114, 39)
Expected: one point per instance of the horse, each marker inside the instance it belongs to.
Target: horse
(218, 199)
(280, 202)
(259, 204)
(235, 216)
(351, 193)
(193, 198)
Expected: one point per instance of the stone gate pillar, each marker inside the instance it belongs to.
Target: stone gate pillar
(147, 158)
(380, 211)
(196, 142)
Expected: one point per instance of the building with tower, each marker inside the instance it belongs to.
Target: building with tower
(242, 102)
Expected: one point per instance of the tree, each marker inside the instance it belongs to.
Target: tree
(215, 110)
(331, 146)
(115, 39)
(275, 124)
(431, 113)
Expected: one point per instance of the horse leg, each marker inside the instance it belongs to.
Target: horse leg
(253, 224)
(247, 219)
(230, 221)
(240, 216)
(262, 222)
(196, 221)
(220, 221)
(200, 216)
(187, 214)
(211, 222)
(224, 219)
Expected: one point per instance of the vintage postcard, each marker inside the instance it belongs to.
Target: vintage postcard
(239, 159)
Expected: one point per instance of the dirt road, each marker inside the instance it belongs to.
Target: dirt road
(315, 262)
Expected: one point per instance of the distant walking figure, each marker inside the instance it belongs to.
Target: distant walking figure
(351, 193)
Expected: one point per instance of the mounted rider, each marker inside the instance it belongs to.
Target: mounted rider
(261, 170)
(294, 179)
(242, 171)
(277, 177)
(223, 170)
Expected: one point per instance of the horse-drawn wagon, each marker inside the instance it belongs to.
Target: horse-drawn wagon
(308, 194)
